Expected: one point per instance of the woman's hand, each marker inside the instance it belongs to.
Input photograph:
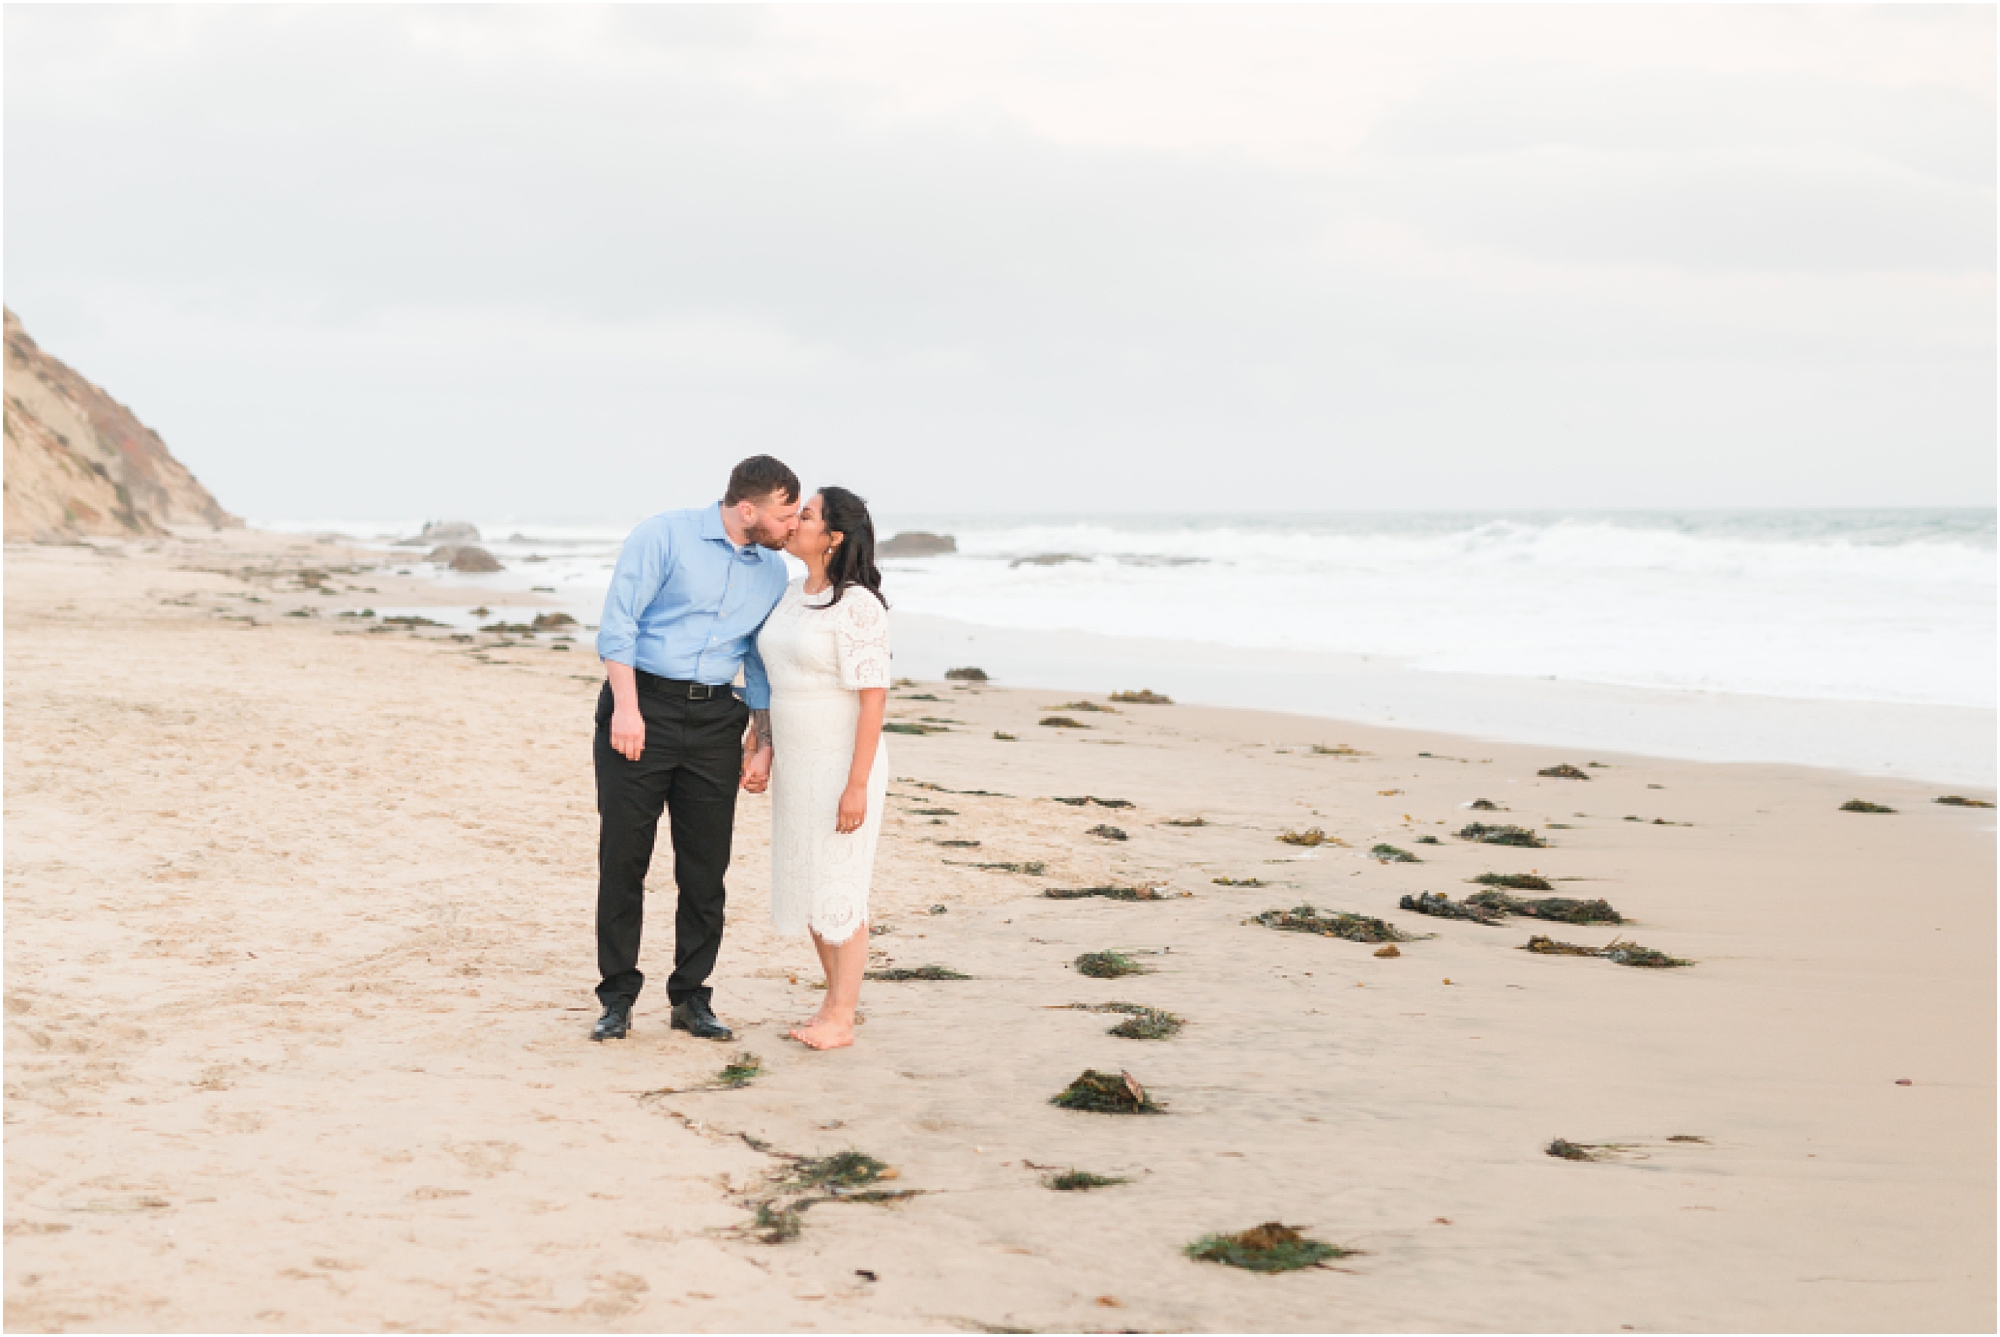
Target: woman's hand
(853, 809)
(757, 770)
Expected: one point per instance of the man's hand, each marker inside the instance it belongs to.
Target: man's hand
(757, 770)
(628, 732)
(853, 810)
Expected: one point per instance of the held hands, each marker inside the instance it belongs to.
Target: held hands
(628, 733)
(853, 809)
(756, 770)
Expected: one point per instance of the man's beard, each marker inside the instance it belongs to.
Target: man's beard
(766, 537)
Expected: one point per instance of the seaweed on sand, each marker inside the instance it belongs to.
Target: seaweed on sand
(897, 974)
(1429, 840)
(1141, 1022)
(1443, 907)
(1561, 909)
(1960, 801)
(1502, 835)
(1271, 1247)
(1062, 722)
(1390, 854)
(1107, 832)
(842, 1170)
(1237, 881)
(744, 1069)
(1863, 805)
(1309, 837)
(776, 1224)
(1108, 893)
(1070, 1181)
(1624, 953)
(1145, 696)
(1105, 1093)
(1514, 881)
(1032, 868)
(967, 674)
(934, 812)
(1563, 1149)
(1080, 800)
(1185, 821)
(1333, 924)
(1484, 805)
(1337, 750)
(920, 730)
(1108, 965)
(1563, 772)
(1090, 706)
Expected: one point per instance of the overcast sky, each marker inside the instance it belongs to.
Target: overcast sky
(573, 262)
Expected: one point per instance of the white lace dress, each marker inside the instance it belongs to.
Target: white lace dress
(819, 659)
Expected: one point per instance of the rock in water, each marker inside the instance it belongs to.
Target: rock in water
(917, 543)
(464, 557)
(79, 462)
(449, 531)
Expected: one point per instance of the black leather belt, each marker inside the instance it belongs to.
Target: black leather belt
(693, 691)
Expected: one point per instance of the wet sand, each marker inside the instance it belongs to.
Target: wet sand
(299, 962)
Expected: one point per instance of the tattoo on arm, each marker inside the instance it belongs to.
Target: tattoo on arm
(760, 723)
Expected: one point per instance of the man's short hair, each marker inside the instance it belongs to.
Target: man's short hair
(757, 478)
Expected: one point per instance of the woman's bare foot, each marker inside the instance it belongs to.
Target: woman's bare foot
(824, 1033)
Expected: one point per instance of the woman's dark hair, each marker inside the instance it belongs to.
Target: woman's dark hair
(852, 561)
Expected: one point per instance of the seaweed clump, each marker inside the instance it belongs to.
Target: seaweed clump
(903, 973)
(919, 730)
(1563, 772)
(1390, 854)
(1333, 924)
(1145, 696)
(1081, 799)
(1105, 1093)
(1071, 1181)
(1108, 965)
(1337, 750)
(1484, 805)
(744, 1069)
(1502, 835)
(1237, 881)
(1062, 722)
(1563, 1149)
(967, 674)
(1032, 868)
(1623, 953)
(1514, 881)
(1141, 1023)
(1309, 837)
(1443, 907)
(1088, 706)
(1186, 821)
(1863, 805)
(1271, 1247)
(1561, 909)
(1105, 831)
(1960, 801)
(1108, 893)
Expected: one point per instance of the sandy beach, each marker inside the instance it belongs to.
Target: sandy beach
(299, 967)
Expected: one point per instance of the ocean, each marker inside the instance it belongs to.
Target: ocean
(1889, 606)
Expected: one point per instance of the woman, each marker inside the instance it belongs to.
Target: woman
(826, 648)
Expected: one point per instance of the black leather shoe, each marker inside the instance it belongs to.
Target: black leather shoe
(613, 1025)
(694, 1017)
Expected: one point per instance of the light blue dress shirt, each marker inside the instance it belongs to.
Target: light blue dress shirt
(686, 603)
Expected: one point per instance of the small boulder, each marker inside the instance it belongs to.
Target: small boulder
(917, 543)
(448, 531)
(464, 557)
(553, 621)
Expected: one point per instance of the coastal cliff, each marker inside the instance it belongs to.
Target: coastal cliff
(78, 462)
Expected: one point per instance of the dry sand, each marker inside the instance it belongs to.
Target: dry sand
(299, 961)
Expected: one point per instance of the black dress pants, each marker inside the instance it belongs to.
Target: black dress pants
(691, 764)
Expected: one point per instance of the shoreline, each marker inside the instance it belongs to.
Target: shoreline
(298, 979)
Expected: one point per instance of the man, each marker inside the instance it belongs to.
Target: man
(691, 590)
